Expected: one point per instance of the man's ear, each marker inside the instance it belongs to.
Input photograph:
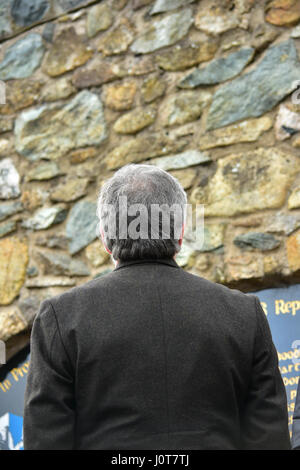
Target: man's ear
(103, 241)
(181, 236)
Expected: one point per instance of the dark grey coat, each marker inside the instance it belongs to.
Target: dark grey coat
(152, 357)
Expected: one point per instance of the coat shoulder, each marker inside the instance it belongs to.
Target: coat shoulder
(219, 289)
(230, 298)
(80, 296)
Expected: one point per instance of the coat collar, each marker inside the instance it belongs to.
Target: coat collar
(167, 261)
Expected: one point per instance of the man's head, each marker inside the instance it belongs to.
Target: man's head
(141, 212)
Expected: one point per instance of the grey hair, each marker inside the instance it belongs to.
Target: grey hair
(149, 186)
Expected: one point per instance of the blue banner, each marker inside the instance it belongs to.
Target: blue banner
(282, 308)
(12, 389)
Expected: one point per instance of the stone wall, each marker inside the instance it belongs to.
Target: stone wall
(202, 89)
